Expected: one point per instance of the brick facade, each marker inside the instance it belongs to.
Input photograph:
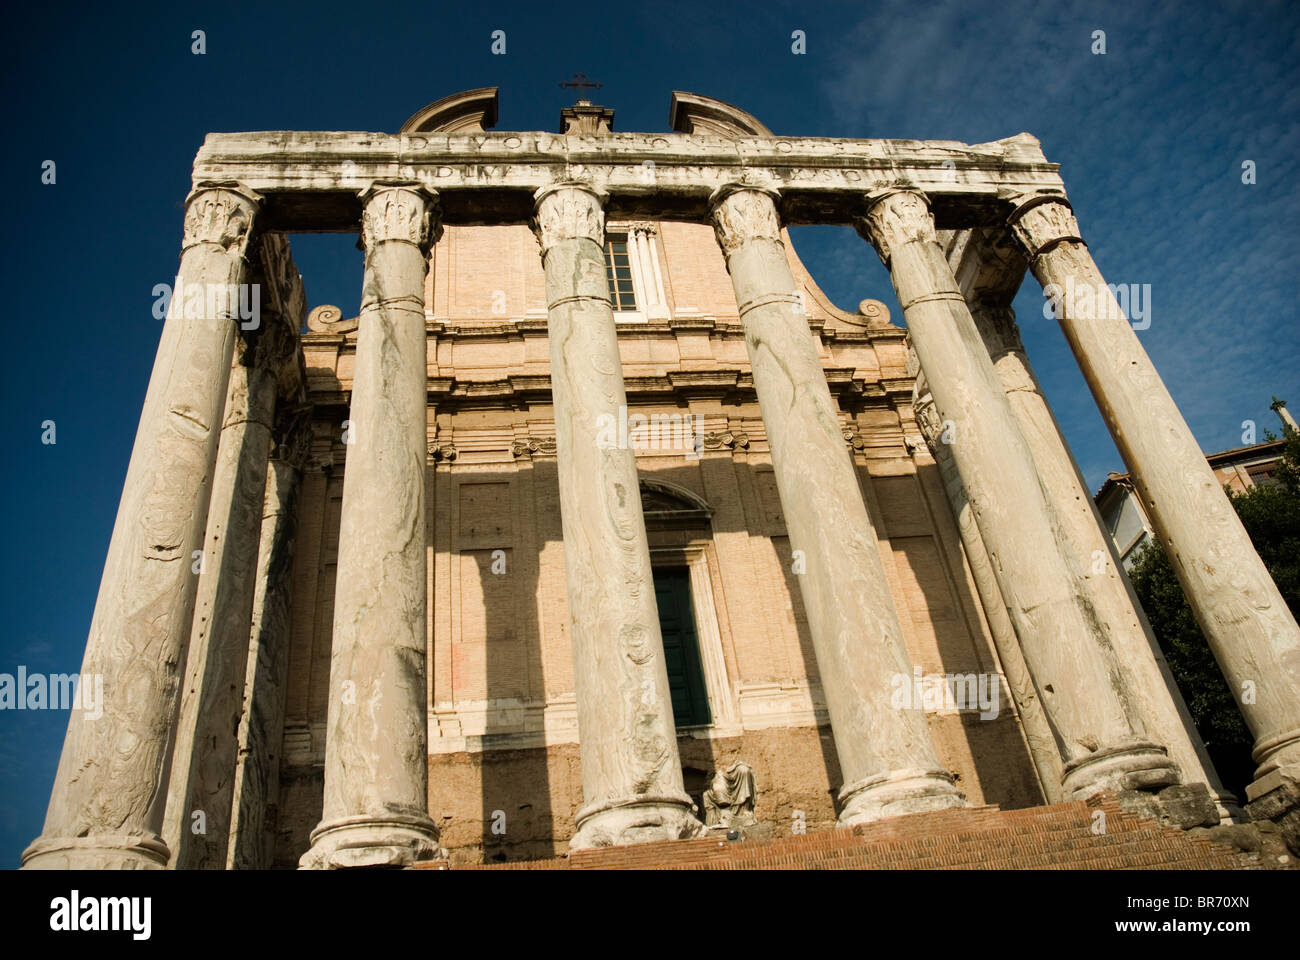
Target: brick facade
(503, 731)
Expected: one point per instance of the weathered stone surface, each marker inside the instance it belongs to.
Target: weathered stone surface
(989, 268)
(631, 774)
(313, 176)
(197, 821)
(1275, 797)
(885, 753)
(1249, 627)
(1182, 805)
(106, 808)
(375, 810)
(455, 439)
(261, 727)
(1038, 729)
(1063, 641)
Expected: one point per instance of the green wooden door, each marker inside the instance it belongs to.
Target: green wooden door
(681, 647)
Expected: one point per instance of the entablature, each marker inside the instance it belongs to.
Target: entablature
(310, 180)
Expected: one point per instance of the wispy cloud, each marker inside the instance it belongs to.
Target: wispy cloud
(1151, 137)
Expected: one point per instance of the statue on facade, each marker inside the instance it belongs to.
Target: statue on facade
(729, 802)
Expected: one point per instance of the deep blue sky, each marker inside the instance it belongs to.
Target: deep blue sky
(1151, 137)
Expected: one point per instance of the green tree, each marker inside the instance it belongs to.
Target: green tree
(1271, 515)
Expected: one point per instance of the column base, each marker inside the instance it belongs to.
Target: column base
(393, 842)
(896, 794)
(97, 852)
(642, 819)
(1276, 797)
(1138, 765)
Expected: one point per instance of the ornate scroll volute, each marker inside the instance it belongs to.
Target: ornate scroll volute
(895, 218)
(328, 318)
(873, 312)
(400, 210)
(1042, 222)
(568, 210)
(743, 212)
(221, 213)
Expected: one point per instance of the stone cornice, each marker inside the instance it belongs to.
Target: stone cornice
(309, 179)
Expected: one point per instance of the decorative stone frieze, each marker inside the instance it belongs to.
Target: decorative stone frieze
(725, 441)
(533, 445)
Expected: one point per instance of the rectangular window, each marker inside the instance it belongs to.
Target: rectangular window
(618, 271)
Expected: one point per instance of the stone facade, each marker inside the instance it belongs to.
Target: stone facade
(503, 716)
(457, 642)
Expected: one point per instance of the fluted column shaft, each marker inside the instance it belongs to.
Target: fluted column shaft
(1066, 646)
(106, 808)
(631, 774)
(887, 758)
(1247, 623)
(375, 810)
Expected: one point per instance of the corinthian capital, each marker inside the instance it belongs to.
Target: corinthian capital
(742, 213)
(569, 210)
(896, 218)
(933, 429)
(998, 328)
(399, 210)
(220, 213)
(1042, 222)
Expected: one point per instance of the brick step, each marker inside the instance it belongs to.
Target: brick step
(1051, 837)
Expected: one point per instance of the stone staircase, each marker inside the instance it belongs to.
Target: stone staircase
(1057, 837)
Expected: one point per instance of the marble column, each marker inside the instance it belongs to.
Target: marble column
(1068, 648)
(261, 726)
(631, 775)
(1039, 737)
(989, 270)
(887, 758)
(106, 808)
(376, 801)
(1241, 612)
(197, 821)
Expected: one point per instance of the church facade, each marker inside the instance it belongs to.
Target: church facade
(600, 524)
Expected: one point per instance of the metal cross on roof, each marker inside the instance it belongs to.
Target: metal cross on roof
(580, 82)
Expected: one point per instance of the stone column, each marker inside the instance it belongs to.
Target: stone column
(197, 821)
(1039, 737)
(887, 758)
(631, 774)
(1247, 623)
(376, 801)
(261, 727)
(106, 808)
(989, 270)
(1067, 647)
